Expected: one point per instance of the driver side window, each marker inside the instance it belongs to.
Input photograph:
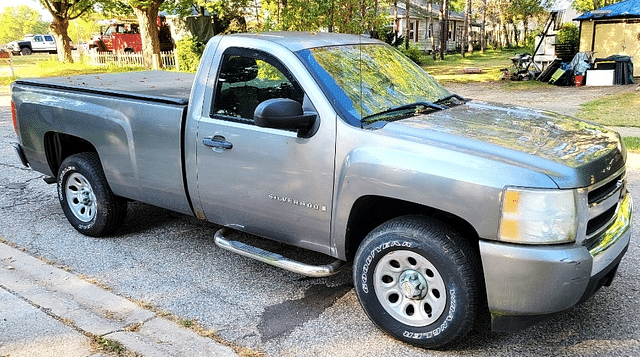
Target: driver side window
(246, 80)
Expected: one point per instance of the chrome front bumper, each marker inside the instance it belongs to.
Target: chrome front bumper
(528, 283)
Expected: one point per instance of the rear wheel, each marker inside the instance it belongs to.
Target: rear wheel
(418, 280)
(86, 199)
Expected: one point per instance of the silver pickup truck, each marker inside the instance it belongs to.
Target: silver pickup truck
(447, 207)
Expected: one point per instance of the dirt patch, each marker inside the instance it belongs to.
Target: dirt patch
(564, 100)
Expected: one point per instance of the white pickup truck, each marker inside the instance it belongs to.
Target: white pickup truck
(33, 43)
(339, 144)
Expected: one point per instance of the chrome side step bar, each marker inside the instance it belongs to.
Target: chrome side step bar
(277, 260)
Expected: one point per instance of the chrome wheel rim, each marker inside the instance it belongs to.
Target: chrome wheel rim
(410, 288)
(80, 197)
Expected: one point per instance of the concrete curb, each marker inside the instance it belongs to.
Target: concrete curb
(91, 310)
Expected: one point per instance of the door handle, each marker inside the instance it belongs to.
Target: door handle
(218, 142)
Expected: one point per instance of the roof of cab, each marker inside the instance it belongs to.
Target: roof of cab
(296, 41)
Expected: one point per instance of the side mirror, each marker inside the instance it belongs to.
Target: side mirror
(284, 113)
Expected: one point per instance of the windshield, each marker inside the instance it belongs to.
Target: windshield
(365, 80)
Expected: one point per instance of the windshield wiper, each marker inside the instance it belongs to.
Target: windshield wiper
(418, 106)
(451, 96)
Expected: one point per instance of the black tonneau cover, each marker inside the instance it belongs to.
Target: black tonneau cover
(157, 86)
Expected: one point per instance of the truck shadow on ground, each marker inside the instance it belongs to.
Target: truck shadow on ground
(142, 218)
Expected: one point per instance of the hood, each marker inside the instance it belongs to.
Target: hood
(573, 153)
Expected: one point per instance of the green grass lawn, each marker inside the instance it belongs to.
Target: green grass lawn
(616, 110)
(632, 144)
(451, 69)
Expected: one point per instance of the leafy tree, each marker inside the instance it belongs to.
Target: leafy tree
(228, 15)
(589, 5)
(17, 21)
(63, 11)
(346, 16)
(83, 28)
(524, 10)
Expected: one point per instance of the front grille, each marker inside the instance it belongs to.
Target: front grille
(600, 221)
(604, 190)
(604, 199)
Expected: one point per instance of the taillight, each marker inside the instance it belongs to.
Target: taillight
(13, 116)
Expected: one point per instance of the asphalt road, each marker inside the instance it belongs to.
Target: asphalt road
(170, 261)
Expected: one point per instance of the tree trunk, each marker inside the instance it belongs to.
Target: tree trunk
(395, 22)
(430, 27)
(465, 30)
(60, 27)
(505, 33)
(444, 28)
(526, 31)
(483, 28)
(147, 18)
(407, 30)
(469, 32)
(331, 16)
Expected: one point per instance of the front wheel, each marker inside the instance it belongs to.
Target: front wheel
(86, 199)
(25, 51)
(418, 280)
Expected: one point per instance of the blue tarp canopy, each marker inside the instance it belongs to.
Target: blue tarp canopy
(624, 9)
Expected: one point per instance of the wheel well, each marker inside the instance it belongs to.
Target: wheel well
(59, 146)
(371, 211)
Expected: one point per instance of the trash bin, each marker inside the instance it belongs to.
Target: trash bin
(622, 66)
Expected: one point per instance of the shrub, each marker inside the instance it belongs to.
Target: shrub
(415, 54)
(189, 52)
(568, 34)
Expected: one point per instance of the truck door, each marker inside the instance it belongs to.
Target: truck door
(49, 43)
(37, 43)
(264, 181)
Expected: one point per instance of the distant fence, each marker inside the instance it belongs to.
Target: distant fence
(124, 59)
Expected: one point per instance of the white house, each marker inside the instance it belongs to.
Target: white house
(424, 25)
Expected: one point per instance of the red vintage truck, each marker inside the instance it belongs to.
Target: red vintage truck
(118, 37)
(124, 36)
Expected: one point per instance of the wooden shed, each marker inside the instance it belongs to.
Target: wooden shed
(613, 30)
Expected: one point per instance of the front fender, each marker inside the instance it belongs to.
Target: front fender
(459, 183)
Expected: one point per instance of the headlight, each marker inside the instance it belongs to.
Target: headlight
(533, 216)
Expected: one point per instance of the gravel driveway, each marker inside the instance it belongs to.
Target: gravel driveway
(565, 100)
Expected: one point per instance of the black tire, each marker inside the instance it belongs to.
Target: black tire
(26, 51)
(419, 281)
(86, 199)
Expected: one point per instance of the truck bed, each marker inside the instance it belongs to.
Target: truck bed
(133, 120)
(157, 86)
